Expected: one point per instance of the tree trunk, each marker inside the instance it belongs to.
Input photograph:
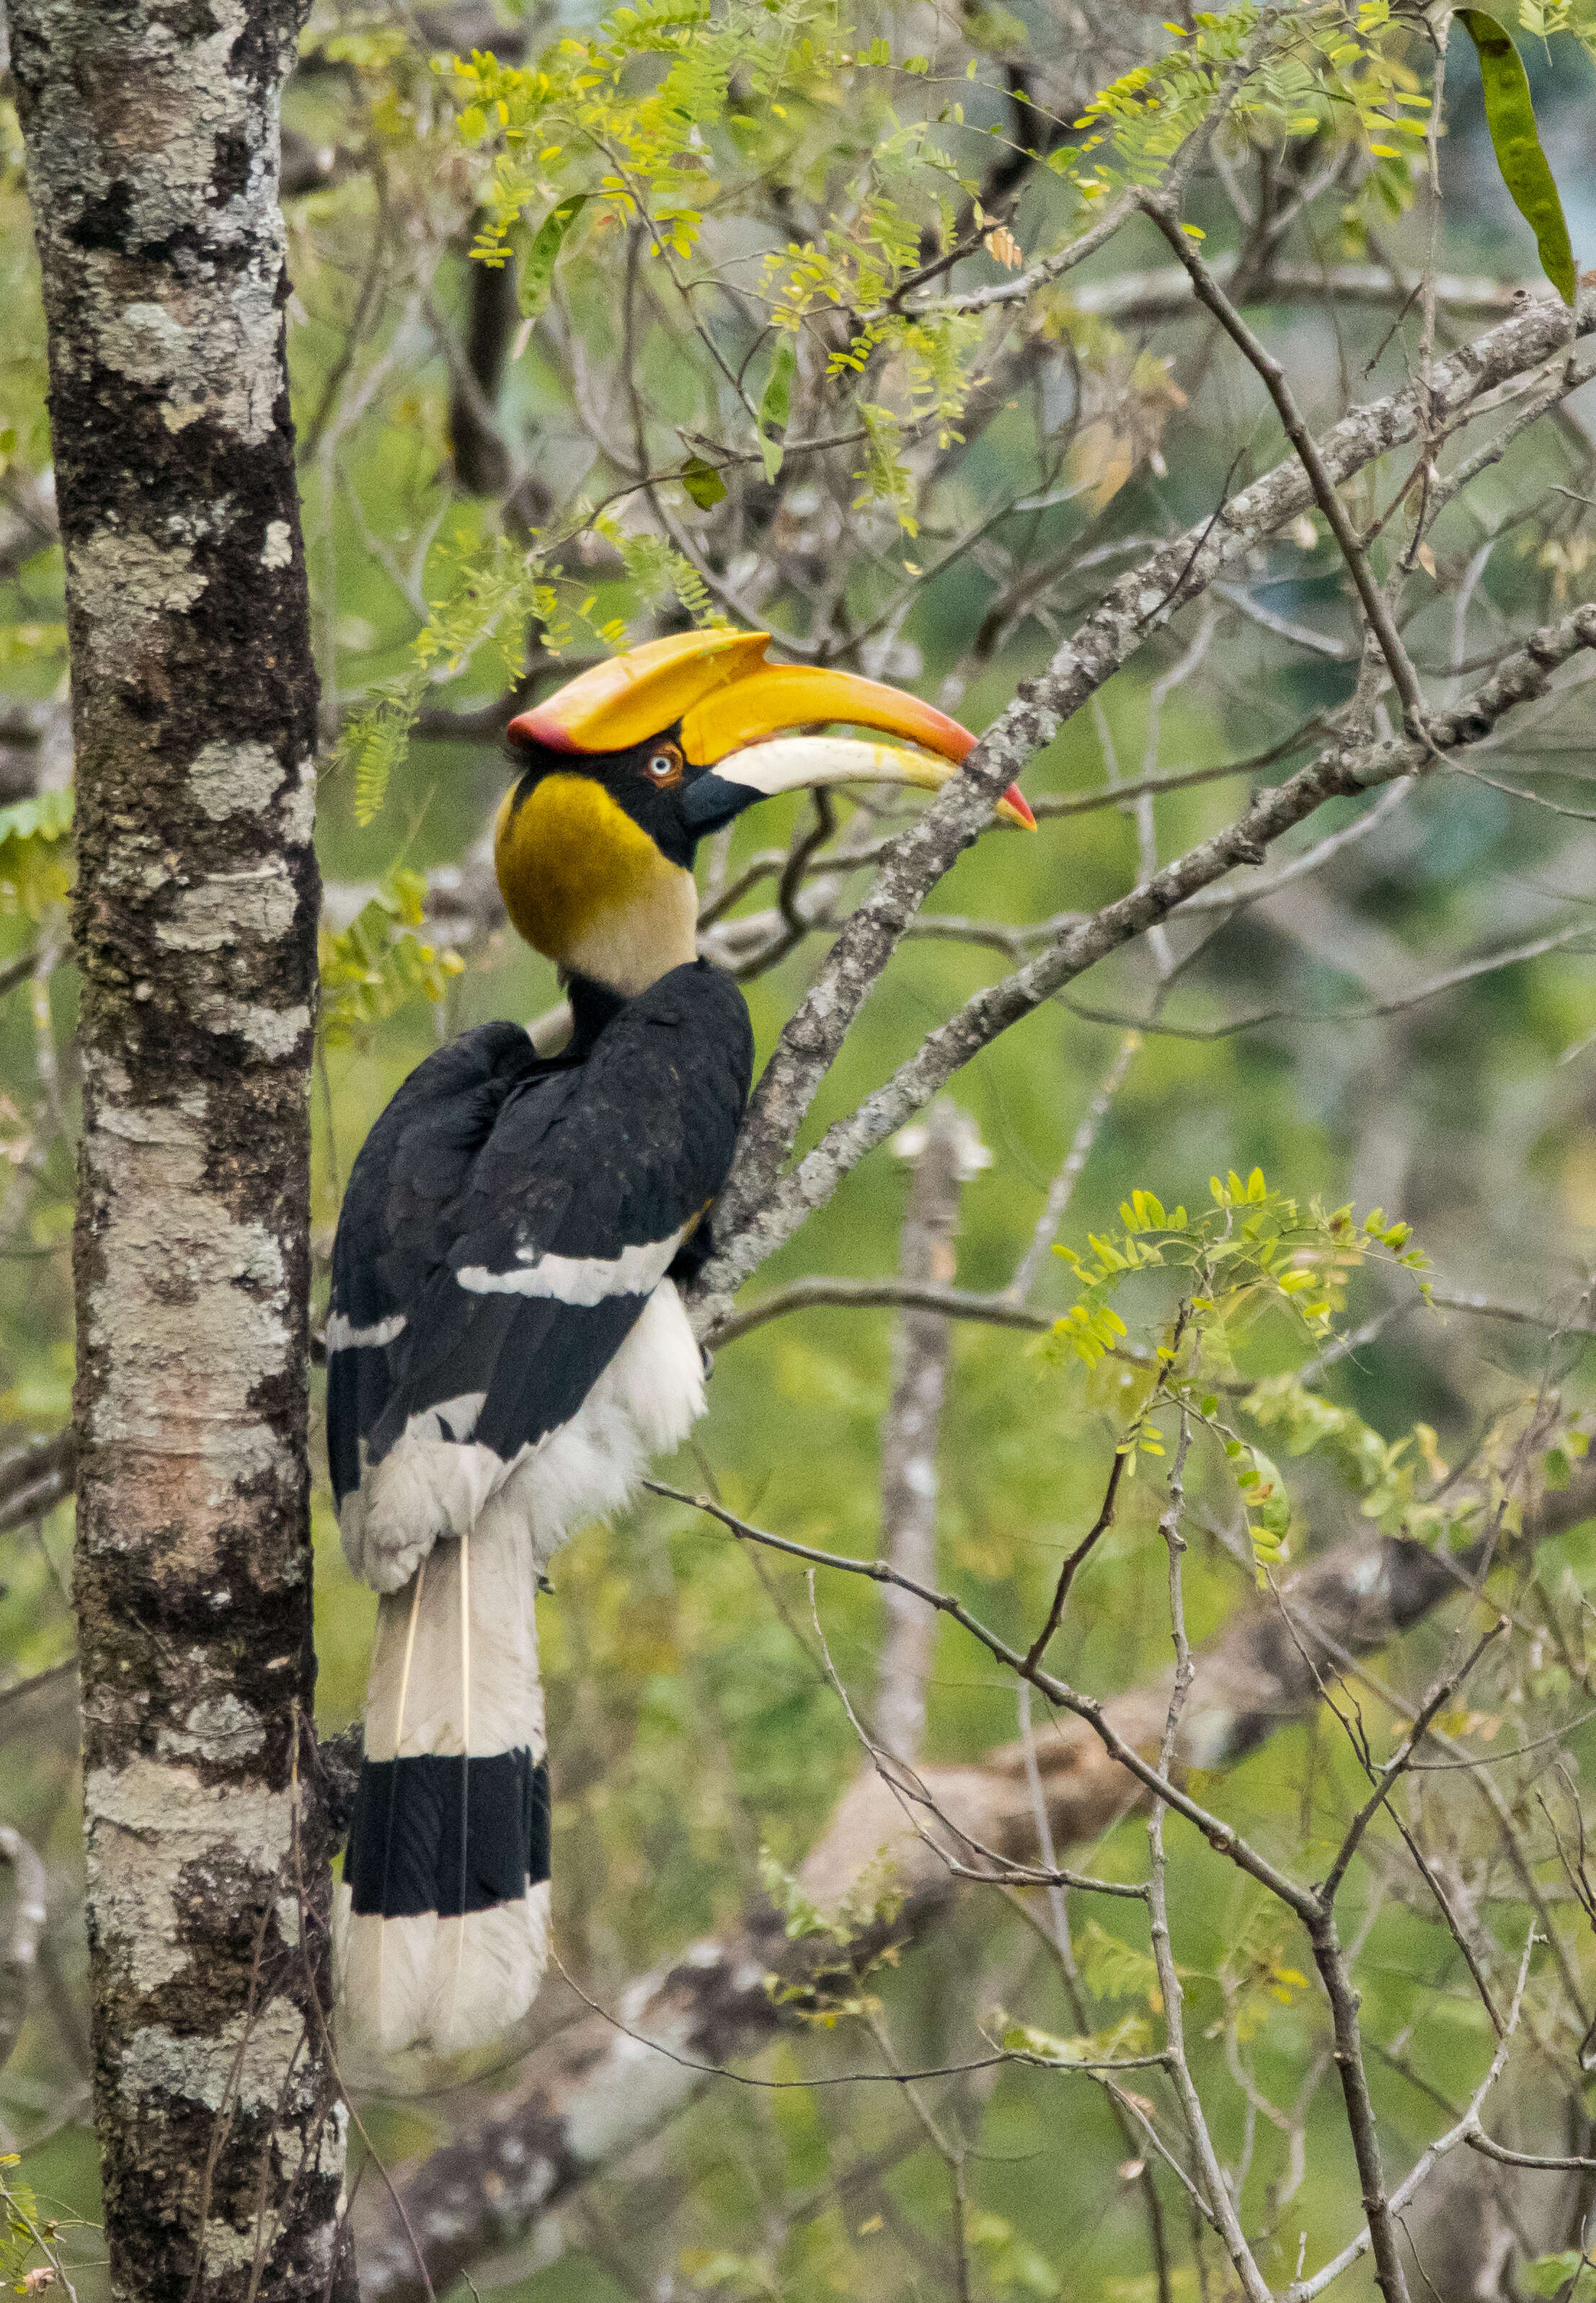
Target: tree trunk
(152, 137)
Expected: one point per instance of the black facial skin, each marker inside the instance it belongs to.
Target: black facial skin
(675, 803)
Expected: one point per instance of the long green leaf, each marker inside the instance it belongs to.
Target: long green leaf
(540, 254)
(775, 406)
(1510, 117)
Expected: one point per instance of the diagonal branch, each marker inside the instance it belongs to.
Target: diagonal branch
(1470, 971)
(1467, 2130)
(1338, 772)
(753, 1219)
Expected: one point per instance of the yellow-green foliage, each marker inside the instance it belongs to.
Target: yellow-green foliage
(29, 2233)
(490, 600)
(36, 856)
(376, 965)
(690, 1718)
(663, 116)
(1253, 1251)
(832, 1987)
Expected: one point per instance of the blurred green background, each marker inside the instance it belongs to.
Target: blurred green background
(688, 1722)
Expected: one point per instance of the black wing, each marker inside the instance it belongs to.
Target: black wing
(509, 1216)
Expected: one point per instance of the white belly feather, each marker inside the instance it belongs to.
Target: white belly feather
(643, 1404)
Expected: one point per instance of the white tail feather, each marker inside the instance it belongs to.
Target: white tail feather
(453, 1672)
(454, 1668)
(423, 1654)
(454, 1985)
(384, 1944)
(457, 1989)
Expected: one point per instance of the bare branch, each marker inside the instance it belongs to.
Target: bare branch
(875, 1295)
(1064, 1182)
(1165, 214)
(1361, 1011)
(584, 2096)
(756, 1213)
(1222, 2205)
(35, 1477)
(1338, 772)
(1141, 299)
(1483, 2143)
(1300, 867)
(1304, 2291)
(1074, 1560)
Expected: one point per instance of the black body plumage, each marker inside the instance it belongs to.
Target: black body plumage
(504, 1227)
(490, 1152)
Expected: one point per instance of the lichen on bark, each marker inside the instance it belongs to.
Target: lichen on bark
(152, 153)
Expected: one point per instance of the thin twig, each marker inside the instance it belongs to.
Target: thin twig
(1304, 2291)
(1165, 214)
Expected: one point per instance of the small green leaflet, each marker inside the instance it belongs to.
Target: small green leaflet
(775, 406)
(702, 483)
(36, 856)
(1510, 117)
(539, 254)
(48, 815)
(1556, 2274)
(1268, 1506)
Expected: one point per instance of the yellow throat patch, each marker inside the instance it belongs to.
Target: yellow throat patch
(587, 887)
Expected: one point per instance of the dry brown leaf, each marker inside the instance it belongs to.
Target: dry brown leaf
(1102, 458)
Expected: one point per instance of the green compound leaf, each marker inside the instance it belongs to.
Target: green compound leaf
(377, 742)
(376, 965)
(1510, 117)
(48, 815)
(541, 252)
(1268, 1508)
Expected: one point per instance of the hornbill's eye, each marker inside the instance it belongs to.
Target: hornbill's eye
(665, 766)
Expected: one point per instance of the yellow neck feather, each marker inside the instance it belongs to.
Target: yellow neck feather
(587, 887)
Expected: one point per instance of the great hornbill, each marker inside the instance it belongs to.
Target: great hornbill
(506, 1347)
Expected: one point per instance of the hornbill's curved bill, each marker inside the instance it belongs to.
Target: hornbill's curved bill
(724, 704)
(506, 1347)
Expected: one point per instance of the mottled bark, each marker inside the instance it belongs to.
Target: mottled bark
(152, 137)
(593, 2091)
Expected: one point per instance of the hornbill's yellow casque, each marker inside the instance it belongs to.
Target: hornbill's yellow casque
(505, 1345)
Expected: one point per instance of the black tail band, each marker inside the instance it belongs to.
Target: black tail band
(447, 1834)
